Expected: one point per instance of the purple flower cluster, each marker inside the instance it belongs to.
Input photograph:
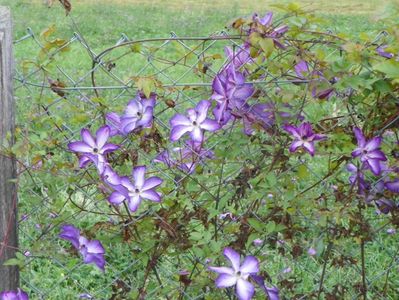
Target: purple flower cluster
(138, 114)
(372, 158)
(92, 251)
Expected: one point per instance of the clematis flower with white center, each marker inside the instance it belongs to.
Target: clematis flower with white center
(94, 149)
(238, 274)
(134, 192)
(194, 124)
(369, 151)
(303, 137)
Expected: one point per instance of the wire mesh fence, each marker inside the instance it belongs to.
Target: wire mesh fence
(162, 251)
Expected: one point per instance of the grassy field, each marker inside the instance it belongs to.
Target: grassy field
(101, 23)
(147, 18)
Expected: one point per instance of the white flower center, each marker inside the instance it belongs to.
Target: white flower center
(134, 193)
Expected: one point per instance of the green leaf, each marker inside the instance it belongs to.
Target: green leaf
(390, 68)
(302, 172)
(267, 46)
(255, 224)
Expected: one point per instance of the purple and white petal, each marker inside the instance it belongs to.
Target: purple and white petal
(178, 120)
(151, 183)
(245, 290)
(134, 202)
(139, 176)
(222, 270)
(116, 198)
(210, 125)
(178, 131)
(87, 137)
(102, 136)
(234, 258)
(250, 265)
(225, 280)
(80, 147)
(151, 195)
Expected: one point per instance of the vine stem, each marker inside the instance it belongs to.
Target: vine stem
(323, 274)
(364, 289)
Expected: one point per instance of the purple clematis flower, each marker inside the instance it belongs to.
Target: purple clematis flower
(14, 295)
(134, 192)
(94, 149)
(229, 91)
(195, 123)
(304, 137)
(237, 275)
(92, 251)
(369, 151)
(138, 113)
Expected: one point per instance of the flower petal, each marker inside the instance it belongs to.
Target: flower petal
(374, 166)
(139, 176)
(107, 148)
(134, 203)
(295, 145)
(292, 130)
(222, 270)
(361, 141)
(309, 147)
(128, 124)
(373, 144)
(102, 136)
(197, 135)
(178, 120)
(250, 265)
(202, 110)
(87, 137)
(178, 131)
(210, 125)
(151, 183)
(234, 258)
(116, 198)
(245, 290)
(95, 247)
(80, 147)
(225, 280)
(151, 195)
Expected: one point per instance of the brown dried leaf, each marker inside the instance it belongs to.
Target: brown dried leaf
(67, 5)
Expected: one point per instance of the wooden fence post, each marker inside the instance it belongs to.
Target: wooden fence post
(9, 276)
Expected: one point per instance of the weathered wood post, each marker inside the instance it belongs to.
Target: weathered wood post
(9, 276)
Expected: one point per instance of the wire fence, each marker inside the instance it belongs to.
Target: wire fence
(162, 251)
